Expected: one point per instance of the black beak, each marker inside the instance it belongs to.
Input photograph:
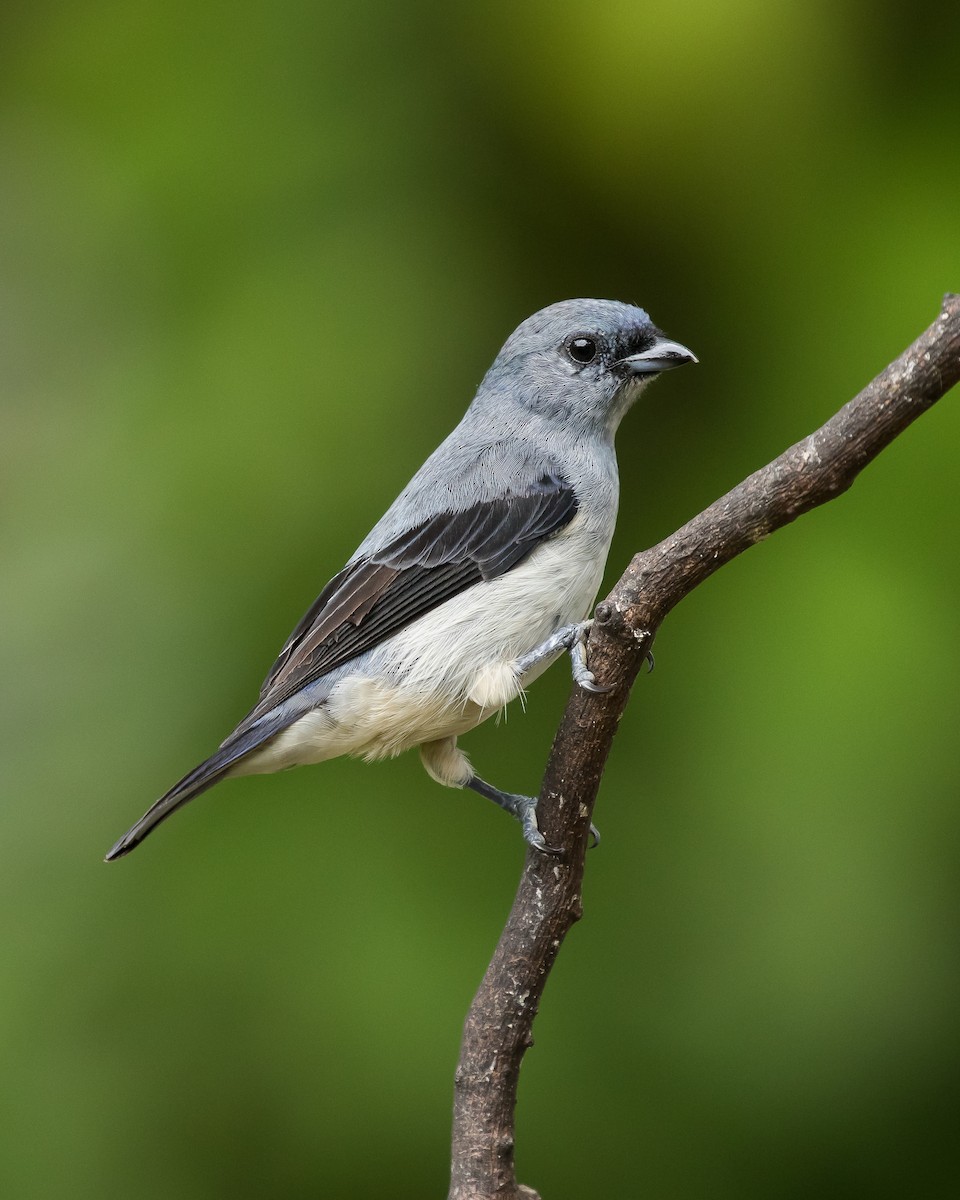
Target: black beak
(663, 355)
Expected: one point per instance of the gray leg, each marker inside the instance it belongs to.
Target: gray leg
(571, 638)
(524, 808)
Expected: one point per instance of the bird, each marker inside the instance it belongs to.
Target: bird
(479, 575)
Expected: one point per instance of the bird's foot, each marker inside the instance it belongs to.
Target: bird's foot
(582, 674)
(524, 808)
(573, 639)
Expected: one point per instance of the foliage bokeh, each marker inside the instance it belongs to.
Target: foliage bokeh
(255, 258)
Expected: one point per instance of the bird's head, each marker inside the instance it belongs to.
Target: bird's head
(583, 361)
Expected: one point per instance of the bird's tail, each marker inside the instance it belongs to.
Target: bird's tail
(209, 772)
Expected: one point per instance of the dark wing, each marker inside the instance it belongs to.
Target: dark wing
(375, 596)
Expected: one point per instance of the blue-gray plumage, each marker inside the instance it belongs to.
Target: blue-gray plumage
(478, 576)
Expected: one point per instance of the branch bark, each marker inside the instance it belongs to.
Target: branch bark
(498, 1027)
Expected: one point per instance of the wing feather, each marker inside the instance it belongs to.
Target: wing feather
(377, 595)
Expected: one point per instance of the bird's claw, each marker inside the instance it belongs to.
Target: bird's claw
(526, 814)
(589, 684)
(582, 674)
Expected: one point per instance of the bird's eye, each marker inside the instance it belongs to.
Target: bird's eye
(581, 349)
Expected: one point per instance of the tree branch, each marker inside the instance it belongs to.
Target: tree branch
(548, 902)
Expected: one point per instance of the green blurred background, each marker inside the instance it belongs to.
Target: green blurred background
(254, 258)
